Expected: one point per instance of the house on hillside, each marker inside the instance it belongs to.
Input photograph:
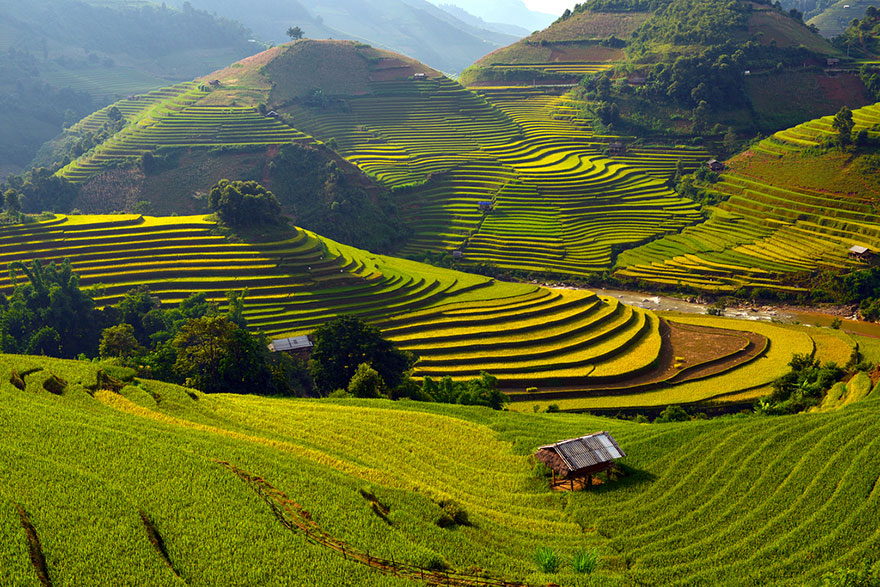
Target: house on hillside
(832, 62)
(485, 206)
(214, 83)
(420, 76)
(299, 347)
(575, 461)
(715, 165)
(636, 80)
(457, 254)
(860, 253)
(272, 114)
(616, 148)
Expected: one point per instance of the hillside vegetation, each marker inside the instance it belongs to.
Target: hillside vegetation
(167, 486)
(678, 60)
(62, 59)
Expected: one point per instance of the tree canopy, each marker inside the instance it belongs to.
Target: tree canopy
(244, 203)
(346, 342)
(295, 33)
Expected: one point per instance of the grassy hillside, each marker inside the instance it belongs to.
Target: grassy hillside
(789, 208)
(835, 18)
(221, 484)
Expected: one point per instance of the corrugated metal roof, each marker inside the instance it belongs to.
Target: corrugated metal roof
(296, 343)
(587, 451)
(858, 249)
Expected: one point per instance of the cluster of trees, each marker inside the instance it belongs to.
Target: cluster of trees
(862, 37)
(335, 200)
(41, 190)
(802, 387)
(244, 203)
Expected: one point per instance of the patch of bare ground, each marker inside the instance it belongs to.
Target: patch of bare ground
(688, 352)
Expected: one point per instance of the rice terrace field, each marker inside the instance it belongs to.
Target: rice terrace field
(707, 450)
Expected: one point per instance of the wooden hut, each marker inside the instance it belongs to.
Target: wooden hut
(860, 253)
(576, 460)
(297, 346)
(715, 165)
(485, 206)
(616, 148)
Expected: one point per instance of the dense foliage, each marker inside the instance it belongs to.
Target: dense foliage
(244, 203)
(49, 314)
(40, 190)
(482, 391)
(802, 387)
(335, 200)
(862, 37)
(345, 343)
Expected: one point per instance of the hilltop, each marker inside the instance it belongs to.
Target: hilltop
(414, 27)
(665, 58)
(122, 480)
(58, 69)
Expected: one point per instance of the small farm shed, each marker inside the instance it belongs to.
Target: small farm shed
(297, 346)
(616, 149)
(457, 254)
(420, 76)
(578, 459)
(832, 61)
(485, 206)
(715, 165)
(861, 253)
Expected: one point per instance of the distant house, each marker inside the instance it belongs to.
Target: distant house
(861, 253)
(636, 80)
(575, 461)
(272, 114)
(832, 62)
(485, 206)
(456, 254)
(715, 165)
(420, 76)
(297, 346)
(747, 72)
(214, 83)
(616, 148)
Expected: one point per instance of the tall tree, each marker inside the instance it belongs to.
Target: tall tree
(843, 124)
(346, 342)
(295, 33)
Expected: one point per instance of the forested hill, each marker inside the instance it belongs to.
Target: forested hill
(415, 28)
(62, 59)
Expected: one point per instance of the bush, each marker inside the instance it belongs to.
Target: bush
(547, 559)
(672, 414)
(585, 561)
(452, 515)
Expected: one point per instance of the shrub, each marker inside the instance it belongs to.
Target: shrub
(672, 414)
(547, 559)
(585, 561)
(452, 515)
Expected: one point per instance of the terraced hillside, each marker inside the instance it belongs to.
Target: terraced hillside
(566, 344)
(140, 482)
(783, 213)
(558, 203)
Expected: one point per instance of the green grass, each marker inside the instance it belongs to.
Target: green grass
(734, 501)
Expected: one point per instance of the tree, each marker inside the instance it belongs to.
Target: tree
(243, 203)
(214, 355)
(118, 342)
(365, 382)
(342, 344)
(12, 200)
(295, 33)
(843, 125)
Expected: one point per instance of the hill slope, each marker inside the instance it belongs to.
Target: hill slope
(62, 59)
(740, 58)
(217, 480)
(785, 210)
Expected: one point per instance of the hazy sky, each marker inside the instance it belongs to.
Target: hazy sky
(551, 6)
